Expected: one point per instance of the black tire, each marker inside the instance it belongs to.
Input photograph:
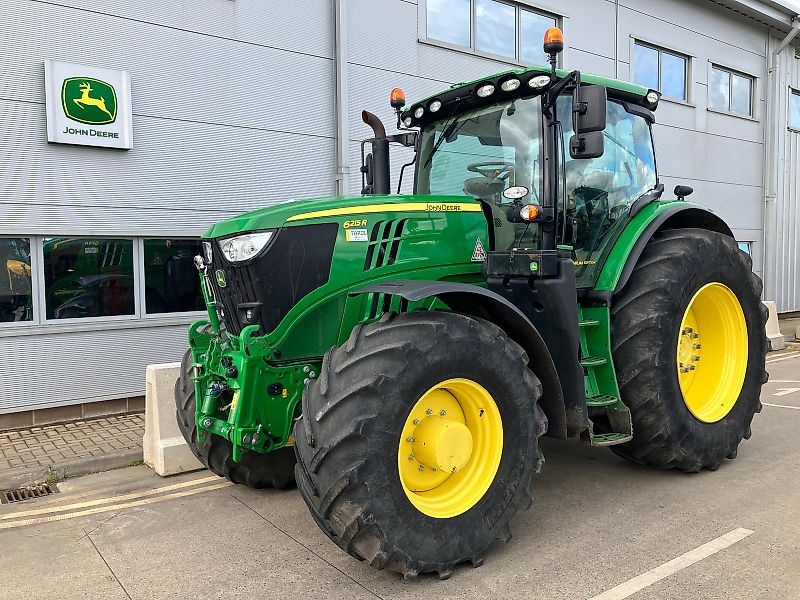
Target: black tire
(273, 470)
(347, 440)
(645, 321)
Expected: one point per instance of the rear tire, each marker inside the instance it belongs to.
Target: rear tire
(273, 470)
(646, 322)
(350, 440)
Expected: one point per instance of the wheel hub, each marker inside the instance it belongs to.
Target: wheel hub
(450, 448)
(442, 443)
(711, 373)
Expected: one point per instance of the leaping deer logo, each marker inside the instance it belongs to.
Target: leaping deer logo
(86, 100)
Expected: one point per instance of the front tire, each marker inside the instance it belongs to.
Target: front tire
(255, 470)
(393, 404)
(689, 347)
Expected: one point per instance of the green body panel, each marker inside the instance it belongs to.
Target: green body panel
(612, 265)
(438, 241)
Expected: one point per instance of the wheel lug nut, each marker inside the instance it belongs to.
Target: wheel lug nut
(416, 421)
(409, 439)
(695, 336)
(695, 346)
(421, 468)
(442, 413)
(692, 367)
(429, 411)
(410, 457)
(695, 358)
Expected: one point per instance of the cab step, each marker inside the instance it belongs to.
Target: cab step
(601, 400)
(593, 361)
(588, 323)
(610, 439)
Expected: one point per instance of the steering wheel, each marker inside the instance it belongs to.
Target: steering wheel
(501, 170)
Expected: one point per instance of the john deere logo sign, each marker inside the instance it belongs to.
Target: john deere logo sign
(90, 106)
(88, 100)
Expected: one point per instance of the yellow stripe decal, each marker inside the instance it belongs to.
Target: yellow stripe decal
(399, 207)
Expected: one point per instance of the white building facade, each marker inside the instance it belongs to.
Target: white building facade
(237, 104)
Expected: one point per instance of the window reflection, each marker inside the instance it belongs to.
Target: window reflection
(88, 277)
(170, 277)
(16, 298)
(495, 27)
(660, 69)
(449, 21)
(532, 28)
(730, 91)
(794, 108)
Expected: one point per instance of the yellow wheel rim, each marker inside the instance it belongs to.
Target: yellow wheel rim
(450, 448)
(712, 352)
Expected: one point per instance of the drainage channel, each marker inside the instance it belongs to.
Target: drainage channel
(28, 492)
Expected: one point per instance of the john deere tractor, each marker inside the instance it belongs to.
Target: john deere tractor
(399, 356)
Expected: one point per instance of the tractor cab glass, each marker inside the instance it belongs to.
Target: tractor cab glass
(483, 152)
(600, 191)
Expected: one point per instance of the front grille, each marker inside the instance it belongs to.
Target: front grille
(297, 262)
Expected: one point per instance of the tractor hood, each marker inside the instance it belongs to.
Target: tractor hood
(305, 210)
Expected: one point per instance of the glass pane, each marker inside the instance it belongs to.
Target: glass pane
(601, 190)
(719, 89)
(794, 107)
(673, 76)
(744, 246)
(532, 28)
(645, 66)
(495, 27)
(88, 277)
(742, 95)
(170, 277)
(16, 299)
(449, 21)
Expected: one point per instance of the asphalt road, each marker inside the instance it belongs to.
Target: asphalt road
(600, 527)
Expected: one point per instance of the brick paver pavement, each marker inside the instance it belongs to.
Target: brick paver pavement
(47, 446)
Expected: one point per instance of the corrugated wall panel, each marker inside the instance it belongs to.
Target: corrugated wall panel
(787, 202)
(41, 371)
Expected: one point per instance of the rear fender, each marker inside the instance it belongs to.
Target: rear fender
(484, 304)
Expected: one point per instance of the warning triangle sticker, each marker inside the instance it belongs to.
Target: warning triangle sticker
(478, 254)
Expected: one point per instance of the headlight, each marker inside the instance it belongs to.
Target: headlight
(244, 247)
(208, 251)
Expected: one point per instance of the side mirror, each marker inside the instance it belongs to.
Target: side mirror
(587, 145)
(681, 191)
(589, 121)
(589, 109)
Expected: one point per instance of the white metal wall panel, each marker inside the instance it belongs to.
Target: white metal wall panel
(785, 283)
(51, 369)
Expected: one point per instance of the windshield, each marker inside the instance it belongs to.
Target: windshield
(480, 153)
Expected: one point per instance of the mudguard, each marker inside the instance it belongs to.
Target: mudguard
(487, 305)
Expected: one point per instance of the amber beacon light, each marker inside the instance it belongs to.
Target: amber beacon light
(397, 98)
(553, 40)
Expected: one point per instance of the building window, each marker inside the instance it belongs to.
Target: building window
(88, 277)
(660, 69)
(746, 247)
(171, 283)
(794, 109)
(730, 91)
(489, 27)
(16, 296)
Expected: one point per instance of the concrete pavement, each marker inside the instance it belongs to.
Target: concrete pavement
(597, 522)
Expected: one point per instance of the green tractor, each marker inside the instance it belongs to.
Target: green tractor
(399, 356)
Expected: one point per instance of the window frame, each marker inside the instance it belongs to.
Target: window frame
(793, 91)
(142, 288)
(42, 292)
(35, 306)
(731, 72)
(519, 5)
(662, 49)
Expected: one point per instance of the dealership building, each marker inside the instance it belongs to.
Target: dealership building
(128, 127)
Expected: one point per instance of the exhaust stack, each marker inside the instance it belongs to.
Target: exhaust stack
(377, 169)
